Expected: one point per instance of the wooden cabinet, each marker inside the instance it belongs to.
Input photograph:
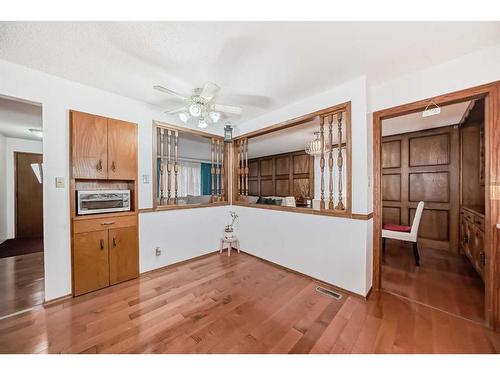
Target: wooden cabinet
(472, 237)
(122, 150)
(103, 148)
(104, 258)
(123, 256)
(89, 153)
(105, 248)
(90, 261)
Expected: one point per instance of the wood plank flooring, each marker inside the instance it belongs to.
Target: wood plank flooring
(444, 280)
(21, 282)
(237, 304)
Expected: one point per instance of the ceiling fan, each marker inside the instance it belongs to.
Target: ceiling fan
(200, 106)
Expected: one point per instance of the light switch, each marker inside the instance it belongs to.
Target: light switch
(145, 179)
(60, 182)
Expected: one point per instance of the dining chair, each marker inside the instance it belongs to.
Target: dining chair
(405, 233)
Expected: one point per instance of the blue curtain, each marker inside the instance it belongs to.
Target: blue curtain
(206, 179)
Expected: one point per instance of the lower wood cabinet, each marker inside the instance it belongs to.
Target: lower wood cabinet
(123, 255)
(472, 238)
(104, 257)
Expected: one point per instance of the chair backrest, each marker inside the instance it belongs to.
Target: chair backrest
(417, 218)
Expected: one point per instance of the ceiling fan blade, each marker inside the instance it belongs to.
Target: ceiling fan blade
(176, 111)
(209, 91)
(168, 91)
(227, 109)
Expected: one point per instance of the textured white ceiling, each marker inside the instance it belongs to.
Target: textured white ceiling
(283, 61)
(450, 115)
(17, 117)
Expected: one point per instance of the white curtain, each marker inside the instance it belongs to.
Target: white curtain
(189, 179)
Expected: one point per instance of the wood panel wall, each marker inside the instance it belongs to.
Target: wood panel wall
(283, 175)
(423, 166)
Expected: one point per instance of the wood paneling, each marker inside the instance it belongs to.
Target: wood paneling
(283, 175)
(437, 149)
(301, 163)
(428, 171)
(90, 259)
(28, 195)
(391, 215)
(253, 168)
(391, 154)
(391, 187)
(123, 254)
(89, 153)
(122, 150)
(434, 224)
(283, 187)
(430, 187)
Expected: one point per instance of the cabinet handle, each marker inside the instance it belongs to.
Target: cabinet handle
(482, 258)
(99, 165)
(466, 238)
(102, 244)
(107, 223)
(114, 241)
(113, 166)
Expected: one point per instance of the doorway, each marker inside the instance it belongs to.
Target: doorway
(429, 177)
(21, 206)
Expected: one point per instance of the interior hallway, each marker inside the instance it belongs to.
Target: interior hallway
(237, 304)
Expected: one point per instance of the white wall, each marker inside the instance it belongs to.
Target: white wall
(335, 250)
(58, 96)
(3, 192)
(181, 234)
(13, 145)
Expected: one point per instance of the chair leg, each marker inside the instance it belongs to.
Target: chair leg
(383, 245)
(415, 254)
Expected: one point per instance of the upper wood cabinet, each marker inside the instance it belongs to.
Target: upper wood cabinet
(89, 151)
(103, 148)
(122, 150)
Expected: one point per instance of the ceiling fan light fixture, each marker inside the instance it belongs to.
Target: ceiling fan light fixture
(214, 116)
(184, 116)
(195, 110)
(202, 124)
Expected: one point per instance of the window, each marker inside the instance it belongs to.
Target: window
(190, 168)
(301, 165)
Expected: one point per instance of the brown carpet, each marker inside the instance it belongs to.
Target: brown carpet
(20, 246)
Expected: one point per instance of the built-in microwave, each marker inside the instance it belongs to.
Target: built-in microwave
(102, 201)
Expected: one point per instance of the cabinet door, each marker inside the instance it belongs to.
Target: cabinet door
(89, 146)
(123, 254)
(122, 150)
(479, 253)
(90, 261)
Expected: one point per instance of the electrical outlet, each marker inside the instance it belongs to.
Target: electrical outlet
(145, 179)
(157, 251)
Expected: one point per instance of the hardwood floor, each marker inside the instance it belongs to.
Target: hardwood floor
(444, 280)
(21, 282)
(237, 304)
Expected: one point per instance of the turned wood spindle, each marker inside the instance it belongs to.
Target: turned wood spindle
(246, 166)
(176, 165)
(162, 166)
(322, 162)
(212, 169)
(222, 170)
(217, 170)
(237, 146)
(340, 161)
(169, 166)
(330, 161)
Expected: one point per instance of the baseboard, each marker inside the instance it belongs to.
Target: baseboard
(56, 301)
(325, 283)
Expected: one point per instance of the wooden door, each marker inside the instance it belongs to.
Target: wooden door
(89, 146)
(90, 261)
(123, 254)
(29, 196)
(122, 150)
(423, 166)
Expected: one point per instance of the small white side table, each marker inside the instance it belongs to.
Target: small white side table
(230, 242)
